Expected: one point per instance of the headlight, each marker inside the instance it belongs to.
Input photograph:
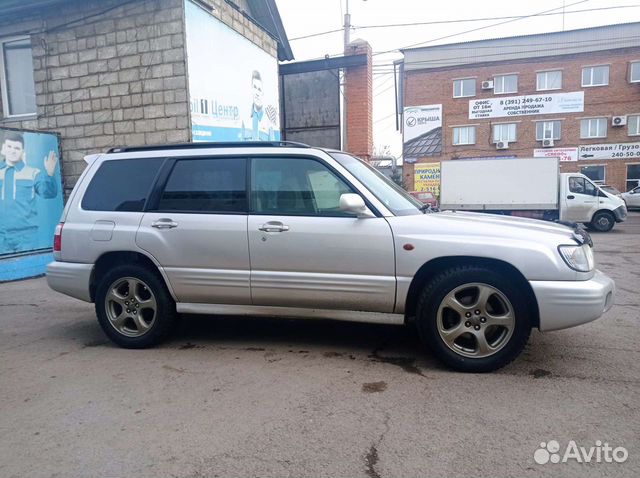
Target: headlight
(579, 258)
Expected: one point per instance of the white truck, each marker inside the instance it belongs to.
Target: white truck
(528, 187)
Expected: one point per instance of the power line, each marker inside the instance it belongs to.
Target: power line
(384, 118)
(454, 60)
(475, 29)
(382, 91)
(465, 46)
(466, 20)
(311, 35)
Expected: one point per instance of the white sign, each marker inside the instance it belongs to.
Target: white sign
(540, 104)
(233, 83)
(564, 154)
(422, 131)
(609, 151)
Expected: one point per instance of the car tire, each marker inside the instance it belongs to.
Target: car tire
(134, 307)
(603, 221)
(505, 332)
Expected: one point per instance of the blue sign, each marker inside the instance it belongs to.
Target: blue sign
(31, 199)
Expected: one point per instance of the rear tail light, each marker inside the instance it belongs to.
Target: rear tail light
(57, 238)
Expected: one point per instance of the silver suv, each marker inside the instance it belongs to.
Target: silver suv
(285, 230)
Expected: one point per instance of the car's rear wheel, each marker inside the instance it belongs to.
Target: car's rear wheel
(473, 318)
(603, 221)
(134, 307)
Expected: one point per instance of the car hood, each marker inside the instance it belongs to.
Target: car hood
(486, 225)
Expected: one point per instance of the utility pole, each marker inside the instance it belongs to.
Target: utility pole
(347, 39)
(347, 26)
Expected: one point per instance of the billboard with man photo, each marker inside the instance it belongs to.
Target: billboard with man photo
(30, 190)
(233, 83)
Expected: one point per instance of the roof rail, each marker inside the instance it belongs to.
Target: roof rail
(207, 145)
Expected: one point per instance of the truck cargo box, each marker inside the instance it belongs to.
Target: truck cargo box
(500, 184)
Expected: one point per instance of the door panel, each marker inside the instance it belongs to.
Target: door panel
(197, 231)
(323, 262)
(580, 203)
(205, 256)
(305, 251)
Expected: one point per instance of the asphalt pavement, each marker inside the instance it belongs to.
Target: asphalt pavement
(276, 398)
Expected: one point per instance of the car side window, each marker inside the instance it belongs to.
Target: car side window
(582, 186)
(121, 185)
(216, 185)
(576, 185)
(296, 186)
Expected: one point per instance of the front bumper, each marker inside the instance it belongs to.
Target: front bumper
(564, 304)
(620, 213)
(70, 278)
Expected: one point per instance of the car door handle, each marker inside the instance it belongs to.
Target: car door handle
(571, 196)
(273, 226)
(164, 223)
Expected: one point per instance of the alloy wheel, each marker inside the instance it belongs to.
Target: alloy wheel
(475, 320)
(131, 307)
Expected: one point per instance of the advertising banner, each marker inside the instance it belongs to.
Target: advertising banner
(233, 83)
(427, 178)
(609, 151)
(564, 154)
(422, 132)
(540, 104)
(30, 190)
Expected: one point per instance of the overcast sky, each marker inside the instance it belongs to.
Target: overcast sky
(304, 17)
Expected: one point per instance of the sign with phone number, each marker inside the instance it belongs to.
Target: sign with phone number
(513, 106)
(588, 152)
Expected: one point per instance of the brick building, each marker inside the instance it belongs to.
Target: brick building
(104, 73)
(574, 93)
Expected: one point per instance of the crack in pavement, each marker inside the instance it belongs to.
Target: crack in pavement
(371, 458)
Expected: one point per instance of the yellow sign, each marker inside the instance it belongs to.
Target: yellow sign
(427, 177)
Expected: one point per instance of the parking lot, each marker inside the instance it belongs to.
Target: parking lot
(255, 397)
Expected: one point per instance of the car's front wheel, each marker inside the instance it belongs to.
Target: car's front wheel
(603, 221)
(473, 318)
(134, 307)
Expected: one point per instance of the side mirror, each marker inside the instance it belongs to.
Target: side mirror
(354, 204)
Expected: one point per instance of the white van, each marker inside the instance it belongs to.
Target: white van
(528, 187)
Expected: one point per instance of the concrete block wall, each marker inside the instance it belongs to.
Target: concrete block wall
(114, 72)
(107, 73)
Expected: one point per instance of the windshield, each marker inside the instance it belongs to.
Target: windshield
(396, 199)
(610, 189)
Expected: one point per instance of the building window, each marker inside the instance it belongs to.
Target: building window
(593, 128)
(633, 125)
(634, 73)
(505, 84)
(547, 130)
(464, 87)
(595, 173)
(595, 75)
(549, 80)
(18, 89)
(464, 135)
(504, 132)
(633, 176)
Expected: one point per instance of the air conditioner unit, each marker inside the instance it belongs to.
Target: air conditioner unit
(618, 121)
(502, 145)
(547, 143)
(487, 85)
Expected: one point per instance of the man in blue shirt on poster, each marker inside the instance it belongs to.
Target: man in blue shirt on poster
(20, 184)
(262, 118)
